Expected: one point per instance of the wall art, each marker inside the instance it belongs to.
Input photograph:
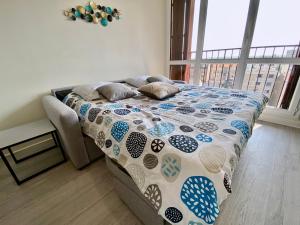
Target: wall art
(93, 13)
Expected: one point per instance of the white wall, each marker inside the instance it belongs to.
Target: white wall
(40, 49)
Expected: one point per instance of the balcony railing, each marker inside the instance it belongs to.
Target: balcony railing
(270, 70)
(275, 51)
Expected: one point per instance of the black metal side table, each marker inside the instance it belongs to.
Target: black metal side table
(24, 133)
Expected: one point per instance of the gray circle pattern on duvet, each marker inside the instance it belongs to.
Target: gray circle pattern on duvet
(93, 114)
(185, 109)
(206, 127)
(150, 161)
(153, 195)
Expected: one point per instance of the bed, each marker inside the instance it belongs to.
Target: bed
(180, 152)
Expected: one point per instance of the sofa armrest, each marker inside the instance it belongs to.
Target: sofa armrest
(66, 122)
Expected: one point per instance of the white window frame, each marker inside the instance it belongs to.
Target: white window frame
(288, 117)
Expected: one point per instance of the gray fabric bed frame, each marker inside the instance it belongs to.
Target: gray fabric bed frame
(82, 150)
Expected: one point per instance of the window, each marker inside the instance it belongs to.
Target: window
(208, 46)
(231, 27)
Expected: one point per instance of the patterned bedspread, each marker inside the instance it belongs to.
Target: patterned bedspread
(180, 152)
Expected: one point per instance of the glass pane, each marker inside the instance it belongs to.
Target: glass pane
(184, 29)
(218, 75)
(277, 24)
(225, 25)
(195, 29)
(276, 81)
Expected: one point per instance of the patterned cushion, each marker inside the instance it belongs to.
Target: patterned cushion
(159, 90)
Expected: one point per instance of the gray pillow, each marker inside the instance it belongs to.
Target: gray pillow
(138, 81)
(116, 91)
(159, 90)
(159, 78)
(89, 91)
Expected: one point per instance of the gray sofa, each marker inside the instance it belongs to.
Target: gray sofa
(81, 150)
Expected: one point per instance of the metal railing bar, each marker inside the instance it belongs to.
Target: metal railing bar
(221, 75)
(294, 61)
(267, 77)
(250, 76)
(264, 53)
(283, 52)
(273, 52)
(279, 68)
(257, 76)
(205, 71)
(215, 74)
(209, 74)
(234, 73)
(295, 52)
(253, 47)
(255, 53)
(228, 72)
(272, 46)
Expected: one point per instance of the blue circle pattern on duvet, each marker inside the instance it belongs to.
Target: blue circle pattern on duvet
(167, 106)
(202, 106)
(242, 126)
(199, 195)
(194, 94)
(195, 223)
(204, 138)
(162, 129)
(84, 108)
(256, 104)
(119, 129)
(136, 110)
(113, 106)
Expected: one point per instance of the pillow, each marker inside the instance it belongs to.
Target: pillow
(116, 91)
(159, 90)
(89, 91)
(138, 81)
(159, 78)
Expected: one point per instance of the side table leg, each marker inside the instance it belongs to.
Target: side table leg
(60, 145)
(9, 167)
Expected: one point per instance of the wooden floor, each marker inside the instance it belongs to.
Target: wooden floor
(266, 189)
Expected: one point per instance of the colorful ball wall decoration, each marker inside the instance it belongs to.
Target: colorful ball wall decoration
(104, 22)
(92, 12)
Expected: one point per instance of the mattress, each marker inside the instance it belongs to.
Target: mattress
(181, 152)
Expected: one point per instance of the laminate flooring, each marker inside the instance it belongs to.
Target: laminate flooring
(266, 189)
